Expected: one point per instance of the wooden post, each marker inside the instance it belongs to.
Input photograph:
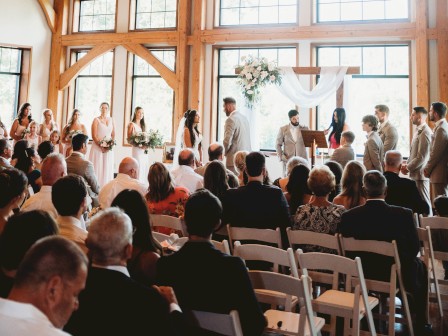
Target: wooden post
(198, 51)
(421, 44)
(442, 49)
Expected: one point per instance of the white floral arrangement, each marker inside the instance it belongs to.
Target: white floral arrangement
(254, 74)
(72, 133)
(25, 132)
(107, 143)
(145, 140)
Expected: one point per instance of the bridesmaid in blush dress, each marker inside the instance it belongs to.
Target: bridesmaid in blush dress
(22, 121)
(102, 158)
(48, 125)
(135, 126)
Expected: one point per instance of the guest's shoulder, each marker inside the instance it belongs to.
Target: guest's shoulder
(181, 191)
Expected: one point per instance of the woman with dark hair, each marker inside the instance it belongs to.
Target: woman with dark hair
(14, 183)
(352, 194)
(338, 126)
(336, 169)
(146, 251)
(21, 123)
(216, 179)
(28, 161)
(188, 136)
(137, 125)
(73, 126)
(44, 149)
(298, 192)
(19, 148)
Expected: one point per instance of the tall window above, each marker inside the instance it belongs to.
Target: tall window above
(153, 14)
(361, 10)
(14, 73)
(153, 94)
(384, 79)
(93, 86)
(273, 106)
(256, 12)
(96, 15)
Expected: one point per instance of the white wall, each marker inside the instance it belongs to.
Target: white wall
(23, 23)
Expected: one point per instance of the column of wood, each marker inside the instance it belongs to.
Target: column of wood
(442, 49)
(421, 44)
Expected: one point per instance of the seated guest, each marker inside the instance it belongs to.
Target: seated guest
(46, 287)
(19, 148)
(319, 215)
(292, 162)
(298, 193)
(216, 152)
(345, 152)
(401, 191)
(14, 183)
(29, 162)
(377, 220)
(184, 175)
(77, 164)
(53, 168)
(163, 198)
(44, 149)
(199, 269)
(216, 178)
(5, 154)
(257, 205)
(112, 303)
(145, 249)
(440, 237)
(239, 161)
(21, 231)
(352, 194)
(69, 197)
(336, 169)
(127, 178)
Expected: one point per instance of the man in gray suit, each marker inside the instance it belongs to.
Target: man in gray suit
(374, 150)
(345, 152)
(290, 138)
(236, 132)
(419, 154)
(77, 164)
(387, 132)
(436, 168)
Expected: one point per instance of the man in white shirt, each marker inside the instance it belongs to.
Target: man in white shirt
(127, 178)
(46, 288)
(184, 175)
(5, 154)
(53, 168)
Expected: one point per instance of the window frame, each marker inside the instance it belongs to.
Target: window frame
(76, 17)
(133, 19)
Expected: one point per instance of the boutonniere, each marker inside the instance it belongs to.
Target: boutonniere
(419, 131)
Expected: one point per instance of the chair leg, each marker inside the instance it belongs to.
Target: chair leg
(355, 326)
(437, 288)
(408, 314)
(391, 324)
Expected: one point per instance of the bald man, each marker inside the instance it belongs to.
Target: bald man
(127, 178)
(215, 152)
(184, 175)
(53, 168)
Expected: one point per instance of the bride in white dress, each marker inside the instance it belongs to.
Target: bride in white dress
(188, 136)
(102, 158)
(135, 126)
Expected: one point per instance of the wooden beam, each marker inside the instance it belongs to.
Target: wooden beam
(50, 14)
(167, 74)
(71, 73)
(153, 37)
(421, 44)
(442, 49)
(197, 67)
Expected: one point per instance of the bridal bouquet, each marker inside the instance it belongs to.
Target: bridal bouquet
(108, 143)
(254, 74)
(72, 133)
(25, 132)
(145, 140)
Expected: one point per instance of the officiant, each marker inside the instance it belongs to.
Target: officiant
(289, 140)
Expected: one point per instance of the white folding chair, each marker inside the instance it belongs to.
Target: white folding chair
(222, 246)
(350, 305)
(283, 322)
(161, 237)
(223, 324)
(251, 234)
(168, 222)
(388, 249)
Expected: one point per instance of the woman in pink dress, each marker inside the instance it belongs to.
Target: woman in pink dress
(73, 125)
(21, 123)
(103, 128)
(137, 125)
(48, 125)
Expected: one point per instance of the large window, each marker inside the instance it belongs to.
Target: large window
(97, 15)
(93, 86)
(250, 12)
(153, 94)
(10, 73)
(361, 10)
(273, 106)
(384, 79)
(155, 14)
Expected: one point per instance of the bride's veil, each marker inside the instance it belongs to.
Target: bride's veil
(179, 141)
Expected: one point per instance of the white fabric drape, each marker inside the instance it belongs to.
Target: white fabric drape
(329, 81)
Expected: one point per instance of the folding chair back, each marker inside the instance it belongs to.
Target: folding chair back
(223, 324)
(222, 246)
(251, 234)
(168, 222)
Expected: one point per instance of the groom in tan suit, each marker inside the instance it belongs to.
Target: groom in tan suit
(290, 138)
(436, 168)
(236, 132)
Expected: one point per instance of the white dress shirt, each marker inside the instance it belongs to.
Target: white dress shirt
(41, 201)
(111, 189)
(184, 176)
(293, 129)
(17, 319)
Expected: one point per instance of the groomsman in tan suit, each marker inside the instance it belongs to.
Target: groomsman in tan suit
(236, 132)
(419, 154)
(436, 168)
(387, 132)
(290, 138)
